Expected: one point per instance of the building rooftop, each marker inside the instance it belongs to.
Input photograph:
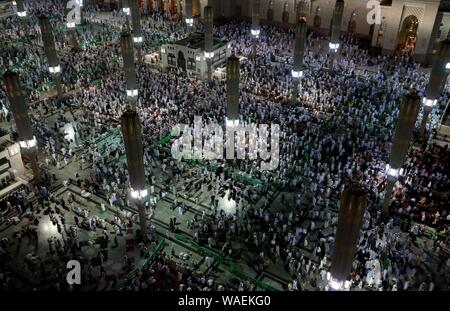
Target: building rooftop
(196, 40)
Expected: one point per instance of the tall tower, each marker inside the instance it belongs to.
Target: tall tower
(233, 77)
(255, 31)
(409, 109)
(353, 203)
(50, 52)
(299, 51)
(209, 39)
(19, 109)
(438, 77)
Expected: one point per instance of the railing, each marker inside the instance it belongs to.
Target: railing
(206, 251)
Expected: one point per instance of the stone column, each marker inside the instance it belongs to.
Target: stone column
(336, 30)
(137, 33)
(50, 52)
(19, 111)
(233, 78)
(438, 77)
(132, 137)
(189, 19)
(209, 38)
(255, 30)
(126, 45)
(353, 203)
(409, 109)
(299, 51)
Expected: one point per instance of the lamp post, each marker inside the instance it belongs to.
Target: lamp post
(19, 110)
(438, 77)
(299, 51)
(129, 69)
(233, 77)
(50, 51)
(409, 109)
(336, 30)
(209, 39)
(132, 137)
(353, 203)
(137, 34)
(189, 19)
(255, 30)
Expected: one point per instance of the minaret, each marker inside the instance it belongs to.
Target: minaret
(73, 16)
(137, 34)
(209, 39)
(189, 19)
(409, 109)
(336, 29)
(438, 77)
(129, 68)
(19, 111)
(299, 51)
(50, 52)
(255, 31)
(233, 78)
(353, 203)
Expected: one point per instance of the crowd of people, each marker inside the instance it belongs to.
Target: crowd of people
(342, 122)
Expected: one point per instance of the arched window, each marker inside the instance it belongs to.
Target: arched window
(408, 34)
